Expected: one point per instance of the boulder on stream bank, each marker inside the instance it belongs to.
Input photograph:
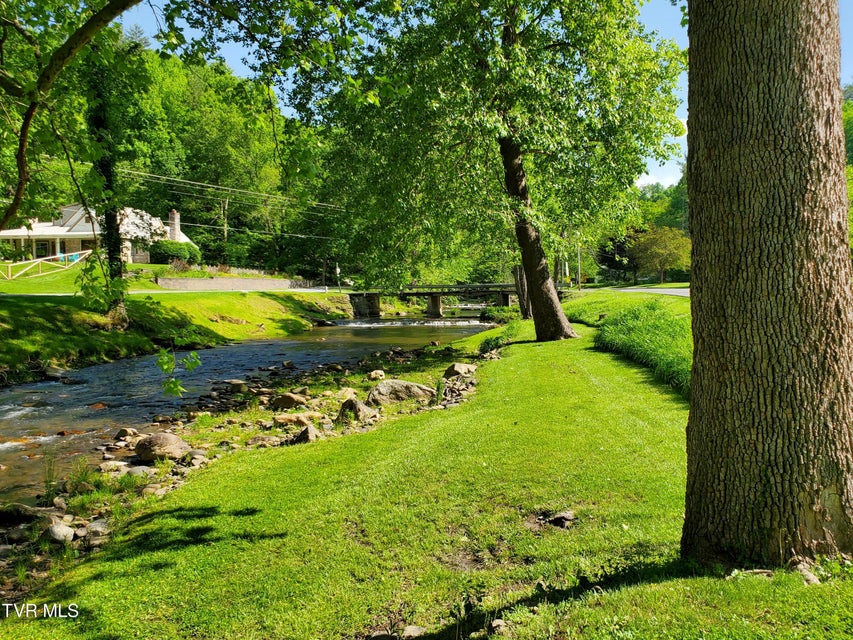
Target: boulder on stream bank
(389, 391)
(354, 409)
(161, 446)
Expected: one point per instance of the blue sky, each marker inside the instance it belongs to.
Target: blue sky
(661, 16)
(658, 15)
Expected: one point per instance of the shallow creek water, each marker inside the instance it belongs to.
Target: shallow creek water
(127, 393)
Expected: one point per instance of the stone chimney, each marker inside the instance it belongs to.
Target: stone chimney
(174, 225)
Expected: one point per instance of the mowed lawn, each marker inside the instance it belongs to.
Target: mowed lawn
(437, 520)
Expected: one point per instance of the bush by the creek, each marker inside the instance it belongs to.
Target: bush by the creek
(502, 339)
(652, 335)
(167, 251)
(500, 315)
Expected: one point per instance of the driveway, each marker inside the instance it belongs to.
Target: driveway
(683, 292)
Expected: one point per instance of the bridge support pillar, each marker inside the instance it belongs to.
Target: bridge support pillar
(433, 309)
(365, 305)
(503, 300)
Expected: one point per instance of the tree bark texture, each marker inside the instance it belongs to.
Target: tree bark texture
(769, 452)
(548, 317)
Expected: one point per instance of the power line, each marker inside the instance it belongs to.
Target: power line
(303, 214)
(261, 233)
(153, 177)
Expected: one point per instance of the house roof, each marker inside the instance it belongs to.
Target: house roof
(78, 222)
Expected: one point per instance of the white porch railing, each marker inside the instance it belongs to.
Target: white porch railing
(42, 266)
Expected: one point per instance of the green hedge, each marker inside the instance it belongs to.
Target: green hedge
(652, 335)
(166, 251)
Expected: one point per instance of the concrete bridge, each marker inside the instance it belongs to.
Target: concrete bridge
(365, 304)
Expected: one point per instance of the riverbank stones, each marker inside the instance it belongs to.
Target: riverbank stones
(355, 409)
(288, 401)
(389, 391)
(59, 533)
(460, 369)
(161, 446)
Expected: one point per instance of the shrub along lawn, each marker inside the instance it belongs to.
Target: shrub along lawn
(435, 520)
(653, 330)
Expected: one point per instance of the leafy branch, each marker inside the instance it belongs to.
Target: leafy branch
(167, 363)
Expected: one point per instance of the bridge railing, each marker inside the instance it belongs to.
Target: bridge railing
(450, 289)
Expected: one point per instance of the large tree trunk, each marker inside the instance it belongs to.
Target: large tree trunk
(548, 316)
(769, 446)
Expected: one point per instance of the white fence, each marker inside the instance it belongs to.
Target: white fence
(42, 266)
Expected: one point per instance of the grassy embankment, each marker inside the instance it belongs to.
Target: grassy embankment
(653, 330)
(435, 519)
(58, 330)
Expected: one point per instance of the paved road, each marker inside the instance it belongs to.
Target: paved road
(683, 292)
(176, 291)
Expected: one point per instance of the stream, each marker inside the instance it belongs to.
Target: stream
(127, 393)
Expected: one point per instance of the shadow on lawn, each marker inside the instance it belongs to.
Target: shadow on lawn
(308, 310)
(167, 530)
(157, 531)
(475, 619)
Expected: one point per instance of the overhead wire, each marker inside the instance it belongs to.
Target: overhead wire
(153, 177)
(261, 233)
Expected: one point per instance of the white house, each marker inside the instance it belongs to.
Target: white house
(78, 230)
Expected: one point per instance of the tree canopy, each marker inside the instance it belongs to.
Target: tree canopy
(486, 116)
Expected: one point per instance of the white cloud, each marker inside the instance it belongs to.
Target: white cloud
(667, 179)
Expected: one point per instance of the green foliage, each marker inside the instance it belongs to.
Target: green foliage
(847, 113)
(167, 363)
(82, 473)
(585, 114)
(654, 336)
(660, 249)
(505, 337)
(97, 289)
(49, 475)
(500, 315)
(166, 251)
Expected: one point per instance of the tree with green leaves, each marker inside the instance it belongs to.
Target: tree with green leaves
(39, 41)
(660, 249)
(533, 118)
(769, 448)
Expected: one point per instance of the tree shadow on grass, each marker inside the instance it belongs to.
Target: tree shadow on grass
(156, 531)
(648, 375)
(168, 530)
(476, 619)
(168, 326)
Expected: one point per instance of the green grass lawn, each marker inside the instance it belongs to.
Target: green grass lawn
(433, 520)
(58, 330)
(63, 281)
(653, 330)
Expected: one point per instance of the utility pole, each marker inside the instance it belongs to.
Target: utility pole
(223, 208)
(579, 265)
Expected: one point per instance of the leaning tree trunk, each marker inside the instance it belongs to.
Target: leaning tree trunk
(769, 442)
(548, 316)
